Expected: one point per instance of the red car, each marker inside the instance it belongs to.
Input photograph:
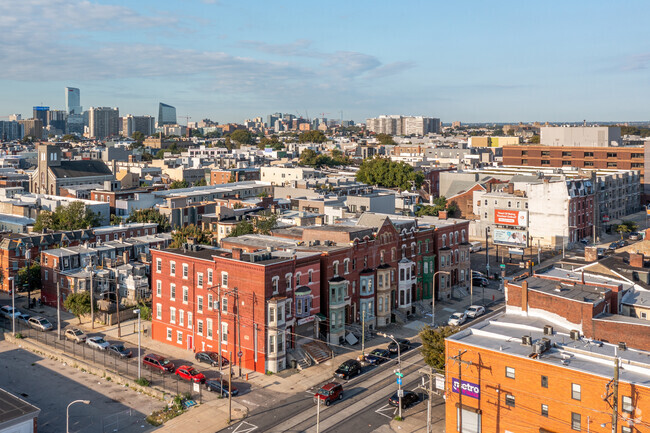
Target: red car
(190, 373)
(329, 393)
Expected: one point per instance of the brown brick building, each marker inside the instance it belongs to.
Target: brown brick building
(622, 158)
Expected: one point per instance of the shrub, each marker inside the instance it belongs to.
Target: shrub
(142, 381)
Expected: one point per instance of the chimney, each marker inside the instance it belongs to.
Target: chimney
(582, 277)
(591, 254)
(510, 189)
(236, 253)
(524, 296)
(442, 214)
(636, 259)
(191, 241)
(125, 256)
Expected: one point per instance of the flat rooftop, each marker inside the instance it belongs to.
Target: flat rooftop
(14, 408)
(503, 333)
(574, 290)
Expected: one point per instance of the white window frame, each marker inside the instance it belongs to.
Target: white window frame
(172, 315)
(172, 292)
(199, 304)
(208, 328)
(181, 318)
(275, 284)
(199, 327)
(224, 279)
(199, 280)
(210, 301)
(224, 332)
(210, 277)
(189, 320)
(172, 268)
(186, 295)
(158, 266)
(159, 311)
(169, 334)
(186, 271)
(158, 288)
(179, 337)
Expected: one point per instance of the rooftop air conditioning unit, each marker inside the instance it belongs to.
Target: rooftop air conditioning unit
(622, 345)
(527, 340)
(575, 334)
(548, 330)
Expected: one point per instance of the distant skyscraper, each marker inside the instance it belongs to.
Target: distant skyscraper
(166, 114)
(11, 130)
(403, 125)
(41, 114)
(73, 100)
(103, 122)
(144, 124)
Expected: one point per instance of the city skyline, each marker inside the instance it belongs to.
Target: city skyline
(234, 60)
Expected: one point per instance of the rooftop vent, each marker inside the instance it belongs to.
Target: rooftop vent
(527, 340)
(575, 334)
(622, 345)
(548, 330)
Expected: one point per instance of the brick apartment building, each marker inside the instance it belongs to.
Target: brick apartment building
(269, 301)
(380, 268)
(622, 158)
(548, 363)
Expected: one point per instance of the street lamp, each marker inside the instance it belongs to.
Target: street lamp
(137, 311)
(67, 413)
(487, 256)
(433, 298)
(398, 372)
(13, 306)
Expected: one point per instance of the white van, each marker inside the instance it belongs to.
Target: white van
(475, 247)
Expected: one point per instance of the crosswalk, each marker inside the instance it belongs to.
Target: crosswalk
(245, 427)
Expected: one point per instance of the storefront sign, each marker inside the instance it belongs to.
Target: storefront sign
(305, 320)
(468, 388)
(515, 218)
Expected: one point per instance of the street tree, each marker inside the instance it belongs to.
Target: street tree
(242, 136)
(312, 137)
(385, 138)
(150, 215)
(433, 345)
(180, 236)
(78, 304)
(178, 184)
(390, 174)
(626, 227)
(73, 216)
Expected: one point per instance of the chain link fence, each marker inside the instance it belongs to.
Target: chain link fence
(111, 363)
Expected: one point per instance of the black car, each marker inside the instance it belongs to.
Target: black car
(119, 350)
(377, 356)
(409, 399)
(404, 345)
(220, 386)
(211, 358)
(480, 281)
(349, 368)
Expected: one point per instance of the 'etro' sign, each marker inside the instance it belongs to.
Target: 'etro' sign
(469, 389)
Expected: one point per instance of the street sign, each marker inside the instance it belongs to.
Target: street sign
(399, 380)
(240, 354)
(400, 393)
(503, 266)
(399, 373)
(197, 387)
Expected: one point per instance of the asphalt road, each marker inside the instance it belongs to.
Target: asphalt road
(51, 386)
(363, 409)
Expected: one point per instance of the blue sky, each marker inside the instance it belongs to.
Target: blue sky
(473, 61)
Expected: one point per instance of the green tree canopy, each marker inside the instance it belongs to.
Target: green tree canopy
(78, 304)
(312, 137)
(242, 136)
(150, 215)
(310, 158)
(385, 138)
(178, 184)
(273, 142)
(534, 139)
(433, 345)
(389, 174)
(626, 227)
(439, 203)
(265, 222)
(29, 277)
(179, 236)
(70, 137)
(138, 136)
(242, 228)
(201, 182)
(73, 216)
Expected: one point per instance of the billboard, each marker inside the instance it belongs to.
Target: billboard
(467, 388)
(511, 238)
(515, 218)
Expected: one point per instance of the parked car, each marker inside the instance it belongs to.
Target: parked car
(475, 247)
(24, 317)
(409, 399)
(76, 335)
(8, 311)
(211, 358)
(377, 356)
(220, 386)
(40, 323)
(457, 319)
(349, 368)
(635, 236)
(329, 393)
(404, 345)
(119, 350)
(474, 311)
(480, 281)
(190, 373)
(97, 343)
(157, 362)
(478, 274)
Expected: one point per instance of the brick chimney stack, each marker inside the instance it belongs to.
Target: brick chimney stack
(442, 214)
(236, 253)
(636, 259)
(524, 296)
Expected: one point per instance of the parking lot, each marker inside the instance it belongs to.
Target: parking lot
(51, 386)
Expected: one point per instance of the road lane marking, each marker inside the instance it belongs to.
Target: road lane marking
(245, 427)
(387, 408)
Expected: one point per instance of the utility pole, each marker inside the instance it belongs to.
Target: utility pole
(317, 414)
(230, 388)
(471, 288)
(219, 325)
(363, 333)
(92, 297)
(239, 331)
(487, 256)
(615, 394)
(430, 392)
(460, 361)
(58, 310)
(117, 304)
